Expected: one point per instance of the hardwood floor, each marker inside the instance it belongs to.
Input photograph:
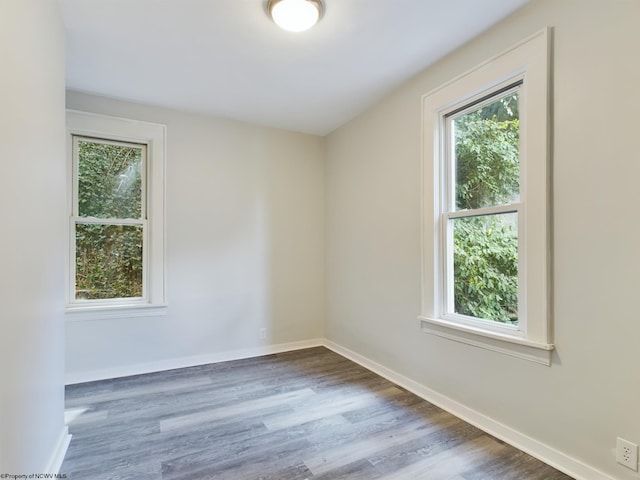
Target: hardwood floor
(308, 414)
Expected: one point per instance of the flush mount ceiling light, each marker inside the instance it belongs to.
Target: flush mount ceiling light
(295, 15)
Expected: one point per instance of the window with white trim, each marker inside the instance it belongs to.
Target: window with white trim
(486, 232)
(116, 221)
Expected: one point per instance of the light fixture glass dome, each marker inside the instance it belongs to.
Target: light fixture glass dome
(295, 15)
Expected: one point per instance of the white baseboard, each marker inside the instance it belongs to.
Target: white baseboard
(541, 451)
(183, 362)
(60, 450)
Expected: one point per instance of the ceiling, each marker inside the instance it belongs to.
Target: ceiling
(228, 59)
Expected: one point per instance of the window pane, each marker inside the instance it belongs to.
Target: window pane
(108, 261)
(485, 265)
(487, 144)
(109, 180)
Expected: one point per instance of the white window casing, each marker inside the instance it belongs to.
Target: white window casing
(529, 63)
(153, 139)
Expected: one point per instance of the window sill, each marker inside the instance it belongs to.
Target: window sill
(514, 346)
(108, 312)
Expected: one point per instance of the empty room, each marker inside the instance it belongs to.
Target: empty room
(382, 240)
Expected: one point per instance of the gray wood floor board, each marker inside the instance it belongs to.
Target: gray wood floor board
(342, 436)
(515, 465)
(406, 406)
(451, 462)
(105, 463)
(262, 463)
(360, 470)
(384, 423)
(341, 455)
(96, 449)
(293, 472)
(193, 402)
(264, 445)
(237, 409)
(161, 446)
(435, 441)
(151, 471)
(150, 389)
(303, 415)
(329, 406)
(254, 460)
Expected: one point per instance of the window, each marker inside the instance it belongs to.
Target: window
(116, 240)
(109, 219)
(486, 233)
(481, 211)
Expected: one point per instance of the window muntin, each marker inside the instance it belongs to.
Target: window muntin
(481, 185)
(109, 220)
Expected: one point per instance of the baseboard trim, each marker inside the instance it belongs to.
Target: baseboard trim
(60, 450)
(183, 362)
(541, 451)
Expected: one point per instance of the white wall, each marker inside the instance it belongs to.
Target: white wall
(591, 393)
(32, 208)
(245, 228)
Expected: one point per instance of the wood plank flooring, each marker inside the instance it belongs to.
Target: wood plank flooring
(308, 414)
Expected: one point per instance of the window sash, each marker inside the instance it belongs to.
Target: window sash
(449, 213)
(447, 300)
(76, 219)
(76, 139)
(448, 140)
(143, 224)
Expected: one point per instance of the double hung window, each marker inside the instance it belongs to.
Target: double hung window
(481, 211)
(116, 228)
(109, 220)
(486, 189)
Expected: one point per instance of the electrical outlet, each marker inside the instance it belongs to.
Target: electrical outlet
(627, 454)
(263, 333)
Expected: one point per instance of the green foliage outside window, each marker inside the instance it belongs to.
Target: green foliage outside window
(486, 269)
(108, 261)
(109, 258)
(109, 180)
(486, 247)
